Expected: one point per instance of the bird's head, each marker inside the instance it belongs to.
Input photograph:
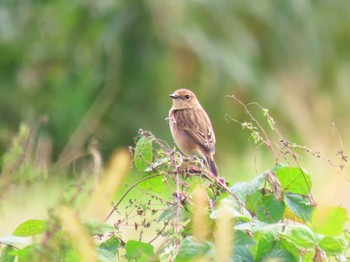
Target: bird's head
(184, 98)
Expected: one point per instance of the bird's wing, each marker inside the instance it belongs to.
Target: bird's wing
(196, 123)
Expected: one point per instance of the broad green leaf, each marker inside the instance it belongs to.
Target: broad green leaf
(29, 253)
(301, 236)
(191, 249)
(168, 213)
(242, 190)
(107, 250)
(290, 247)
(112, 244)
(96, 228)
(143, 155)
(279, 255)
(139, 251)
(242, 254)
(253, 202)
(104, 255)
(30, 228)
(266, 207)
(274, 209)
(293, 179)
(241, 238)
(257, 226)
(329, 221)
(240, 214)
(299, 205)
(154, 184)
(248, 226)
(6, 254)
(309, 256)
(265, 245)
(331, 246)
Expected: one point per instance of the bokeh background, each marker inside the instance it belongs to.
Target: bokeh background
(100, 70)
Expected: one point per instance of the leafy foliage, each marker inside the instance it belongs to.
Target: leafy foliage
(329, 221)
(114, 60)
(30, 228)
(191, 249)
(294, 180)
(266, 226)
(107, 250)
(143, 155)
(139, 251)
(274, 216)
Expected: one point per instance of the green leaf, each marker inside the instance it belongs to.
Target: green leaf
(274, 209)
(279, 255)
(299, 205)
(96, 228)
(139, 251)
(309, 256)
(257, 226)
(241, 238)
(155, 184)
(236, 211)
(265, 245)
(168, 213)
(143, 155)
(331, 246)
(302, 236)
(30, 228)
(266, 207)
(105, 255)
(293, 179)
(29, 253)
(112, 244)
(107, 250)
(6, 254)
(290, 247)
(253, 202)
(191, 249)
(242, 190)
(242, 254)
(329, 221)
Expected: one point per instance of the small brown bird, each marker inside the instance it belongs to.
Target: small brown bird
(191, 128)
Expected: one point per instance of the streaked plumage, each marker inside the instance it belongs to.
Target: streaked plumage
(191, 127)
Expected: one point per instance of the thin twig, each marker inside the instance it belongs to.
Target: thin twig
(127, 192)
(268, 141)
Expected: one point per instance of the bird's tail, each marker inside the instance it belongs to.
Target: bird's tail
(212, 166)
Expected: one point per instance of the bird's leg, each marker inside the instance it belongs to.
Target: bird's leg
(172, 156)
(222, 181)
(193, 168)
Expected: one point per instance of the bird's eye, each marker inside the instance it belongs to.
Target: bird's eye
(187, 97)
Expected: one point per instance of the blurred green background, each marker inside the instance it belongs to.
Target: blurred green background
(100, 70)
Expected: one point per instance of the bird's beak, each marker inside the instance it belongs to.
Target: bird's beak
(173, 96)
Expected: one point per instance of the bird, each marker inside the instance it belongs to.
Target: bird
(191, 128)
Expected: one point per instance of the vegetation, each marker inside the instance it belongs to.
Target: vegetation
(185, 213)
(79, 78)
